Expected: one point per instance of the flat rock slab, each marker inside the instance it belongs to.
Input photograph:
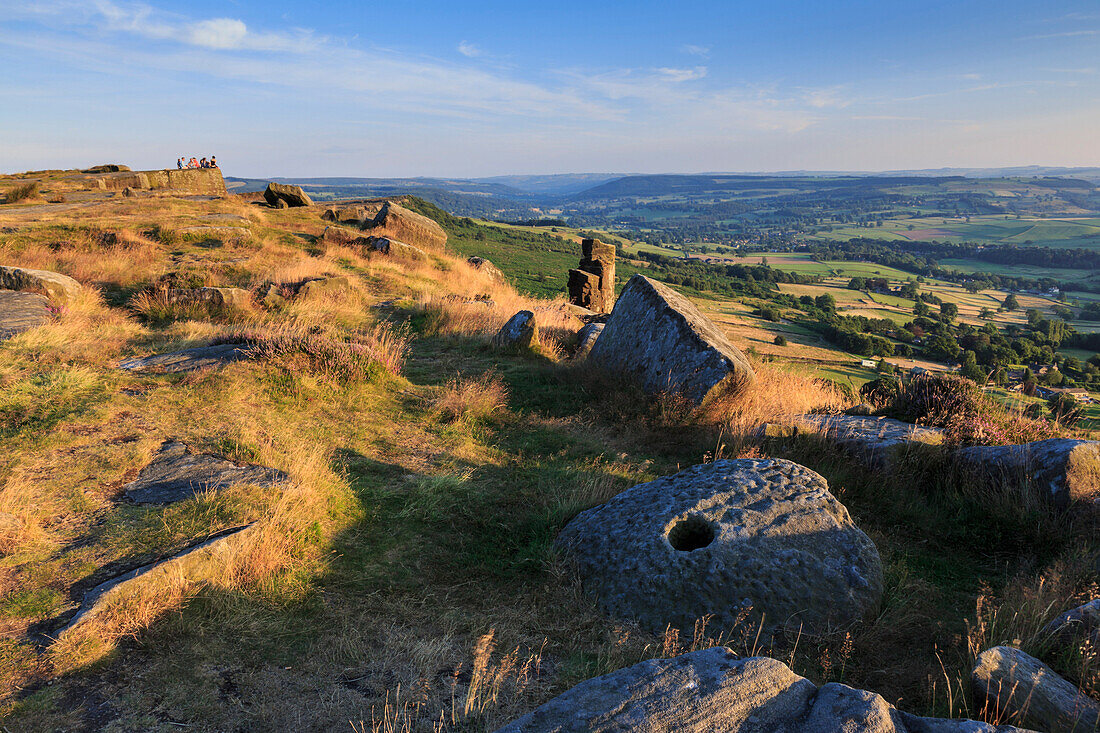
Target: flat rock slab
(1017, 686)
(21, 312)
(717, 539)
(714, 691)
(189, 360)
(877, 441)
(396, 222)
(1067, 470)
(199, 563)
(660, 338)
(175, 474)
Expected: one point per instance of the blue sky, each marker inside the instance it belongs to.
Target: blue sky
(447, 88)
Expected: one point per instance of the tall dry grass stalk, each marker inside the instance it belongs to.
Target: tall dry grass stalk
(472, 399)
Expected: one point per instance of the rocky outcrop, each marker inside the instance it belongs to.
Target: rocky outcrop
(520, 332)
(21, 312)
(323, 286)
(356, 215)
(188, 360)
(396, 222)
(877, 441)
(291, 195)
(175, 473)
(392, 247)
(211, 297)
(60, 289)
(714, 691)
(586, 339)
(205, 562)
(1065, 470)
(724, 537)
(657, 336)
(483, 265)
(1016, 686)
(107, 168)
(592, 283)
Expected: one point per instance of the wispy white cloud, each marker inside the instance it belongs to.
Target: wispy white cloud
(680, 75)
(1063, 34)
(830, 97)
(694, 50)
(469, 50)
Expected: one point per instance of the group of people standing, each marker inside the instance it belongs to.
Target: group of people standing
(182, 163)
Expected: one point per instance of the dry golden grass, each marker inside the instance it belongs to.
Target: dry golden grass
(472, 399)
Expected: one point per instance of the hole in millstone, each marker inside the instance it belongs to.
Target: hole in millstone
(691, 534)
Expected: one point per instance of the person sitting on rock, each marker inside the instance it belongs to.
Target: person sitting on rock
(202, 163)
(213, 161)
(179, 163)
(193, 164)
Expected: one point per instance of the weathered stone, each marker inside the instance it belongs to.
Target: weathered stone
(592, 284)
(21, 312)
(658, 336)
(273, 297)
(343, 237)
(520, 332)
(60, 289)
(323, 286)
(581, 312)
(128, 192)
(188, 360)
(1065, 470)
(860, 410)
(346, 214)
(292, 195)
(107, 168)
(205, 562)
(586, 339)
(281, 204)
(1016, 686)
(483, 265)
(877, 441)
(198, 181)
(397, 222)
(714, 691)
(720, 538)
(584, 290)
(392, 247)
(175, 473)
(212, 297)
(1081, 623)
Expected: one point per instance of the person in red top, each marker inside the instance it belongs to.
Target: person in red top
(193, 164)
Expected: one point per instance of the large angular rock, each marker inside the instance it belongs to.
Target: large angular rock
(291, 195)
(592, 283)
(324, 286)
(1016, 686)
(188, 360)
(1065, 470)
(60, 289)
(21, 312)
(201, 563)
(714, 691)
(658, 336)
(718, 538)
(346, 215)
(483, 265)
(877, 441)
(175, 474)
(392, 247)
(397, 222)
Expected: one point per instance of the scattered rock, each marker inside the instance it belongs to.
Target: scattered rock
(397, 222)
(1082, 622)
(292, 195)
(60, 289)
(107, 168)
(520, 332)
(586, 339)
(346, 215)
(213, 297)
(659, 337)
(281, 204)
(582, 313)
(877, 441)
(860, 410)
(175, 473)
(21, 312)
(188, 360)
(718, 538)
(324, 285)
(201, 563)
(273, 297)
(392, 247)
(1066, 470)
(128, 192)
(714, 691)
(483, 265)
(1016, 686)
(592, 283)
